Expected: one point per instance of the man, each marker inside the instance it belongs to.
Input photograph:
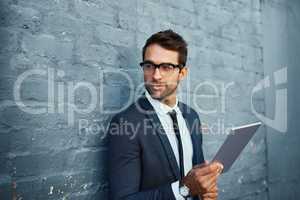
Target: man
(155, 145)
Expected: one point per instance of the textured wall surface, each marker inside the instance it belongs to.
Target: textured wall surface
(281, 23)
(81, 58)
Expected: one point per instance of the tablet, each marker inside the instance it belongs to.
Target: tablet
(234, 144)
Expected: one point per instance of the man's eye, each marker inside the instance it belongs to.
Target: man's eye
(148, 65)
(166, 66)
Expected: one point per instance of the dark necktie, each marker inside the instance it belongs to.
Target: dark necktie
(177, 133)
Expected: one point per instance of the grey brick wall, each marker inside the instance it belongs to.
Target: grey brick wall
(53, 156)
(283, 149)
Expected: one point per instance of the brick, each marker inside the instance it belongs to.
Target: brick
(233, 6)
(112, 104)
(118, 78)
(64, 25)
(154, 10)
(223, 44)
(187, 5)
(120, 37)
(6, 87)
(144, 25)
(22, 17)
(8, 40)
(184, 18)
(19, 139)
(119, 57)
(256, 5)
(93, 12)
(127, 21)
(63, 138)
(47, 45)
(12, 116)
(231, 31)
(76, 72)
(87, 159)
(83, 159)
(251, 28)
(251, 16)
(62, 185)
(128, 6)
(58, 6)
(33, 89)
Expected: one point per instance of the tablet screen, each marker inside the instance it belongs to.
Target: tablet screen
(234, 144)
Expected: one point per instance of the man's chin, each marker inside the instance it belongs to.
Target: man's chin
(156, 95)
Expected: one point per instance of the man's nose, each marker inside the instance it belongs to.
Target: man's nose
(157, 74)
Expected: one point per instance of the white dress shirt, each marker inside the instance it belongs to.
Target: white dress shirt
(162, 110)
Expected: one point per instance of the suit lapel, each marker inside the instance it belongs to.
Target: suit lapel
(151, 114)
(192, 127)
(193, 131)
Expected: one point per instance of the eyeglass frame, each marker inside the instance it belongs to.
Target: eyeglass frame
(179, 66)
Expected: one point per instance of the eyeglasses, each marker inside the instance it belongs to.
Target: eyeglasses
(164, 68)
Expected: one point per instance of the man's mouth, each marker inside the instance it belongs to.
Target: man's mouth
(157, 86)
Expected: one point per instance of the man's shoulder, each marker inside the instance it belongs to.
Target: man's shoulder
(132, 112)
(187, 110)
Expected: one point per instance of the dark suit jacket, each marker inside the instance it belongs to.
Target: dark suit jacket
(142, 165)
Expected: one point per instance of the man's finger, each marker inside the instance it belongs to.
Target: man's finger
(207, 169)
(201, 165)
(206, 182)
(210, 195)
(213, 188)
(220, 166)
(207, 198)
(210, 181)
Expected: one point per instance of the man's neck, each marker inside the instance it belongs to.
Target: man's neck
(169, 101)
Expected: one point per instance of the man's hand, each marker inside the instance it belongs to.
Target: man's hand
(202, 180)
(210, 195)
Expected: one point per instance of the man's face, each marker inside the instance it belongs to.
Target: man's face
(161, 85)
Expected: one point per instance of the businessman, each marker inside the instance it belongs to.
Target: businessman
(155, 145)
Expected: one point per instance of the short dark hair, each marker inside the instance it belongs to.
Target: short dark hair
(170, 40)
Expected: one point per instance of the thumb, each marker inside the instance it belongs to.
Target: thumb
(202, 164)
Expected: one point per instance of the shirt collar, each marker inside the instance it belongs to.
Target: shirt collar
(160, 107)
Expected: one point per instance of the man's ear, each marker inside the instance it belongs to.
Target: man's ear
(183, 73)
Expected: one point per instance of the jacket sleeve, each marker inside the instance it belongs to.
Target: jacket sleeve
(124, 166)
(200, 139)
